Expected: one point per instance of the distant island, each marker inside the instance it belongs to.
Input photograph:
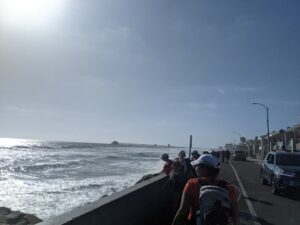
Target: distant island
(115, 143)
(141, 145)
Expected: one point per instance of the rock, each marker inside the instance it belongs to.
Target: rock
(146, 177)
(22, 222)
(2, 219)
(32, 219)
(4, 211)
(8, 217)
(14, 217)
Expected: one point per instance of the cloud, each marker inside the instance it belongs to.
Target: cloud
(244, 89)
(37, 111)
(221, 90)
(287, 102)
(218, 89)
(195, 105)
(244, 21)
(104, 38)
(18, 109)
(162, 123)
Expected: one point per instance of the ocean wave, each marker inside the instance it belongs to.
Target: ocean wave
(145, 155)
(77, 146)
(51, 182)
(52, 146)
(27, 168)
(21, 146)
(85, 186)
(32, 147)
(115, 157)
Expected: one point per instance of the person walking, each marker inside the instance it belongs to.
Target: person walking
(223, 156)
(227, 155)
(207, 168)
(188, 170)
(195, 155)
(168, 164)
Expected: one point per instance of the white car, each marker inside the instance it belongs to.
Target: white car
(239, 155)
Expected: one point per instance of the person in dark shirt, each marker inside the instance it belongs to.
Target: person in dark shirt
(195, 155)
(227, 155)
(223, 155)
(188, 170)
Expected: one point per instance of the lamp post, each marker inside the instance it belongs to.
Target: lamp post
(257, 103)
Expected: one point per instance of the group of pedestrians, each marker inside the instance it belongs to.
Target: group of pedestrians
(170, 165)
(222, 155)
(190, 179)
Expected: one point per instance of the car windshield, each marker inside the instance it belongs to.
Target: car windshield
(288, 160)
(239, 152)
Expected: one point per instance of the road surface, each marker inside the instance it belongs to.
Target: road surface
(258, 205)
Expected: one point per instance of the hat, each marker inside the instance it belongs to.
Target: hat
(195, 152)
(207, 160)
(181, 153)
(165, 156)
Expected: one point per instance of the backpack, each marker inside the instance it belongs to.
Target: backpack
(177, 178)
(191, 172)
(214, 204)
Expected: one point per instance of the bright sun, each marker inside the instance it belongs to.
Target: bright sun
(29, 12)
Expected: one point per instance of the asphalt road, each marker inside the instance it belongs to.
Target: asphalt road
(270, 209)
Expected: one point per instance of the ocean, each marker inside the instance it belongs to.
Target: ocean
(51, 178)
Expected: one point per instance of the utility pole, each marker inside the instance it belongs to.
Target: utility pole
(268, 130)
(190, 150)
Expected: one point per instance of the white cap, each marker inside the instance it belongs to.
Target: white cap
(208, 160)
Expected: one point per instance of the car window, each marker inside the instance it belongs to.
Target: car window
(239, 152)
(268, 157)
(271, 159)
(288, 160)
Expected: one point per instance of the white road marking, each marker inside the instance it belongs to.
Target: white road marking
(248, 202)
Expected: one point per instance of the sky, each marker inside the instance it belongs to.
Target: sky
(149, 72)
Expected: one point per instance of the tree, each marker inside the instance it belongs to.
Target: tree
(243, 139)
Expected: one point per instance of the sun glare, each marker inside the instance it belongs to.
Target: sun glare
(29, 12)
(9, 142)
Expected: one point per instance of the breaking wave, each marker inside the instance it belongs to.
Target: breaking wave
(50, 178)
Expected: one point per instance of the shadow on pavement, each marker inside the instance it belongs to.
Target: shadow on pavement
(259, 201)
(249, 217)
(293, 196)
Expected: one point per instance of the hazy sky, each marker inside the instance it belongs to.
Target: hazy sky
(148, 71)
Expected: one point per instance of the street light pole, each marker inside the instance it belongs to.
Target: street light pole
(256, 103)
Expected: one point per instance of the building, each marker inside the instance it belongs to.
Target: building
(285, 139)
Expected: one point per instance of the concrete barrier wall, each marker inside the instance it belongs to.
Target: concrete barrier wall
(146, 203)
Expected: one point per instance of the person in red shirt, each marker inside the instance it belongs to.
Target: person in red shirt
(168, 164)
(207, 168)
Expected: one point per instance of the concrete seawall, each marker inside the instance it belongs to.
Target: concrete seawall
(145, 203)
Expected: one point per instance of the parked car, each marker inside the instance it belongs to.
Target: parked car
(239, 155)
(282, 171)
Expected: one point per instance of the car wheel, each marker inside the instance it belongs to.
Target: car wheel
(275, 190)
(262, 178)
